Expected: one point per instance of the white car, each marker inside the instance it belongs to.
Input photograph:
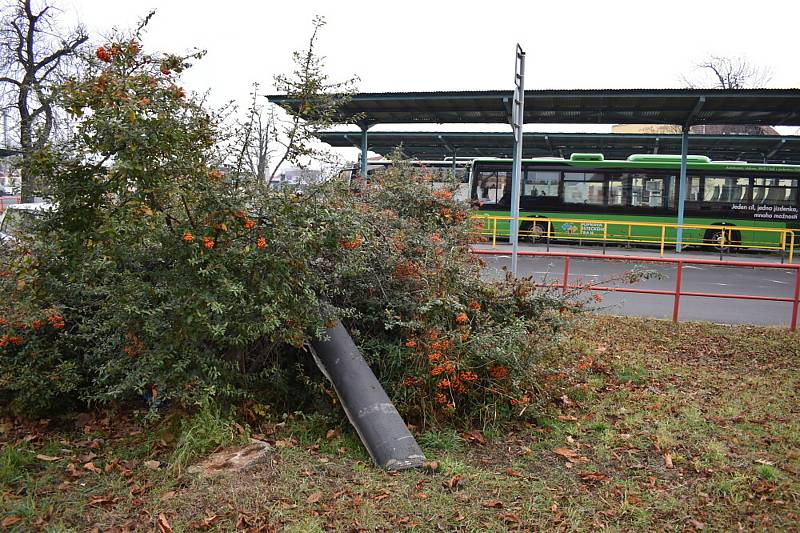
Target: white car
(18, 219)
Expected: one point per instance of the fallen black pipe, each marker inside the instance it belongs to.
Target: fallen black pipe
(372, 414)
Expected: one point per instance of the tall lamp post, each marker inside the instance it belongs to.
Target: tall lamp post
(517, 121)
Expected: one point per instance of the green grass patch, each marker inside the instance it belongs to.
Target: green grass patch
(675, 427)
(207, 430)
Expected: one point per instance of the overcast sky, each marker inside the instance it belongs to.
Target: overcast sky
(413, 45)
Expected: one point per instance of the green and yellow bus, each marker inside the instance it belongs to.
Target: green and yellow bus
(590, 198)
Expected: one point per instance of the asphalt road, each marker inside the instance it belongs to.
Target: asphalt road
(778, 282)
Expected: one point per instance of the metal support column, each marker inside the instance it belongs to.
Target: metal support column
(517, 122)
(682, 182)
(682, 187)
(364, 150)
(455, 153)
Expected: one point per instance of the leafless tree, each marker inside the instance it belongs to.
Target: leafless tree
(33, 53)
(719, 72)
(259, 148)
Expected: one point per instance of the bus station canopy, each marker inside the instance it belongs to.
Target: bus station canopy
(442, 144)
(769, 107)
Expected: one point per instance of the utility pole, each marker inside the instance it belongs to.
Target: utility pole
(517, 122)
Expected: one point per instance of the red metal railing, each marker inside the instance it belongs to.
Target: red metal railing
(678, 292)
(6, 201)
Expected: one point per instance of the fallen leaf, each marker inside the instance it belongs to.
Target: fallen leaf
(10, 521)
(48, 458)
(152, 465)
(314, 498)
(163, 524)
(167, 495)
(474, 436)
(697, 525)
(759, 461)
(454, 483)
(492, 504)
(140, 490)
(510, 518)
(87, 457)
(513, 473)
(566, 453)
(593, 476)
(567, 418)
(382, 496)
(668, 460)
(205, 523)
(92, 468)
(458, 517)
(97, 501)
(72, 471)
(332, 433)
(243, 521)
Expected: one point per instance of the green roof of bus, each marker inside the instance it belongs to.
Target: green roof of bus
(654, 161)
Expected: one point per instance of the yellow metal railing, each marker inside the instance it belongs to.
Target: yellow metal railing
(623, 231)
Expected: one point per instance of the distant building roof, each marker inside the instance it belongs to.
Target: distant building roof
(770, 107)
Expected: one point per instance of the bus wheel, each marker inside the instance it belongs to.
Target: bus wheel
(532, 232)
(715, 237)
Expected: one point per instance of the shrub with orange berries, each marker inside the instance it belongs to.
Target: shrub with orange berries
(153, 274)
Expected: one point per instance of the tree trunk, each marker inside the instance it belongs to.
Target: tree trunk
(28, 188)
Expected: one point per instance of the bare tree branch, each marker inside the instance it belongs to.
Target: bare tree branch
(719, 72)
(32, 55)
(318, 101)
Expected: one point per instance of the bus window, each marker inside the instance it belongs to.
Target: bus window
(693, 190)
(647, 191)
(541, 183)
(773, 191)
(583, 188)
(725, 190)
(616, 191)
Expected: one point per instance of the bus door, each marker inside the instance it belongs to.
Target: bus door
(491, 188)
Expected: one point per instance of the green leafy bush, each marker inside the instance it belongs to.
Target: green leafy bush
(161, 276)
(447, 344)
(169, 278)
